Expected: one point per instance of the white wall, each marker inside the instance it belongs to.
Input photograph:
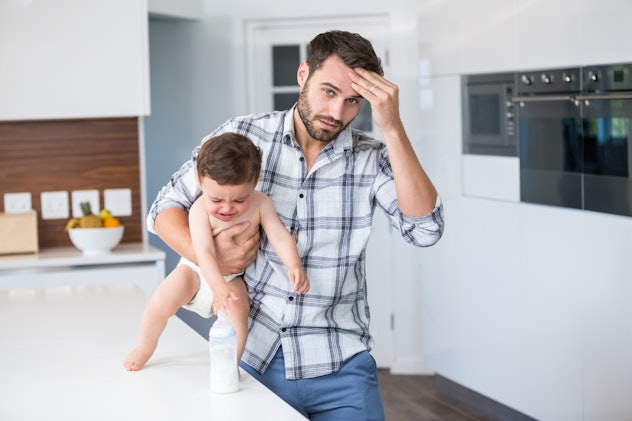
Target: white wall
(530, 305)
(191, 87)
(181, 9)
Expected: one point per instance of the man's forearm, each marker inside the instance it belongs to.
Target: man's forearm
(172, 226)
(416, 194)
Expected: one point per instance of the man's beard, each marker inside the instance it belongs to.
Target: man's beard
(309, 121)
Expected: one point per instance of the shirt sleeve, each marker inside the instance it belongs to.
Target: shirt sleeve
(420, 231)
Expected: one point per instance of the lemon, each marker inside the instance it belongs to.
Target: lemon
(105, 214)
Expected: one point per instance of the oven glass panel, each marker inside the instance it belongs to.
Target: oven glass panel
(550, 153)
(484, 114)
(606, 137)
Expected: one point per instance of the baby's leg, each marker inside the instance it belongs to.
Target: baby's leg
(176, 290)
(238, 314)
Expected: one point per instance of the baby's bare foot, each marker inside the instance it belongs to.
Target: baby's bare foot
(137, 359)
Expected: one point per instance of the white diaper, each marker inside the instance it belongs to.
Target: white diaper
(202, 301)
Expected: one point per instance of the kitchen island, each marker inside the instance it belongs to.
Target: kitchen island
(61, 358)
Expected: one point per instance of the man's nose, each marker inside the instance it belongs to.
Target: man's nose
(336, 109)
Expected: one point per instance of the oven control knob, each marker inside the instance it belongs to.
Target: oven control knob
(593, 76)
(567, 78)
(546, 79)
(526, 80)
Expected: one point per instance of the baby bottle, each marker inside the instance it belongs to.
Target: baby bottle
(222, 343)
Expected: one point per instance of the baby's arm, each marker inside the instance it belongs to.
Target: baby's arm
(283, 244)
(204, 247)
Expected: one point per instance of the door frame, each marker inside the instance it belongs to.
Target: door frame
(259, 35)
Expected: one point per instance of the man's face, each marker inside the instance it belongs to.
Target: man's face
(327, 103)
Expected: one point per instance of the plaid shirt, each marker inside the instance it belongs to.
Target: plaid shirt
(329, 211)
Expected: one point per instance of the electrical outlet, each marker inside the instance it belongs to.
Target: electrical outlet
(118, 201)
(79, 196)
(54, 204)
(17, 202)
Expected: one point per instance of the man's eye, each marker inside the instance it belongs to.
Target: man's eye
(353, 101)
(328, 92)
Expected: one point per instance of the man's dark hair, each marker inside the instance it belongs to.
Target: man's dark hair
(353, 49)
(229, 159)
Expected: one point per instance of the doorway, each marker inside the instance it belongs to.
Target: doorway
(275, 48)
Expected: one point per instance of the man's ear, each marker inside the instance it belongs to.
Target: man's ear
(303, 73)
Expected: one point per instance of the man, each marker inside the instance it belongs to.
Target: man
(325, 180)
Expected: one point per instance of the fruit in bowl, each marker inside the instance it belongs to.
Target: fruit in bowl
(94, 234)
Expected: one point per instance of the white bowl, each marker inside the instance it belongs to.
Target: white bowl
(96, 240)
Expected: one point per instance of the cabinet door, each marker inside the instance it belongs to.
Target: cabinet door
(547, 34)
(605, 32)
(73, 59)
(439, 37)
(487, 35)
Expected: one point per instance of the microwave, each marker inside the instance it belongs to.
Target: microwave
(488, 114)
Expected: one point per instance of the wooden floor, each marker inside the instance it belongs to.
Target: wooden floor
(413, 398)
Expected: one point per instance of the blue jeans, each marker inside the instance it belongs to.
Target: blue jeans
(352, 393)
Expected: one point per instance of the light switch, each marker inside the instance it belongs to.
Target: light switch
(79, 196)
(118, 201)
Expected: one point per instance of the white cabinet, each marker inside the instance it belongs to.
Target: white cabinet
(439, 27)
(547, 34)
(605, 32)
(608, 332)
(136, 263)
(73, 59)
(487, 36)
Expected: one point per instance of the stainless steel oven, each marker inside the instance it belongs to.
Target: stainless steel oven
(548, 133)
(488, 114)
(574, 136)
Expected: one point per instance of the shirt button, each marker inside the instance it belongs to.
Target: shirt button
(301, 195)
(283, 329)
(301, 158)
(291, 298)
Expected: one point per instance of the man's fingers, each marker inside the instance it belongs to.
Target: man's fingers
(237, 229)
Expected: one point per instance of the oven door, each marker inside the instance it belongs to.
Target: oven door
(551, 156)
(606, 150)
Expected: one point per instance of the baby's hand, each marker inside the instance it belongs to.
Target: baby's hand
(222, 298)
(298, 278)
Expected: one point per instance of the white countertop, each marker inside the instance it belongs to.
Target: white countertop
(61, 358)
(71, 256)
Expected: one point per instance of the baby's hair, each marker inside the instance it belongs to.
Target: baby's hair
(230, 159)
